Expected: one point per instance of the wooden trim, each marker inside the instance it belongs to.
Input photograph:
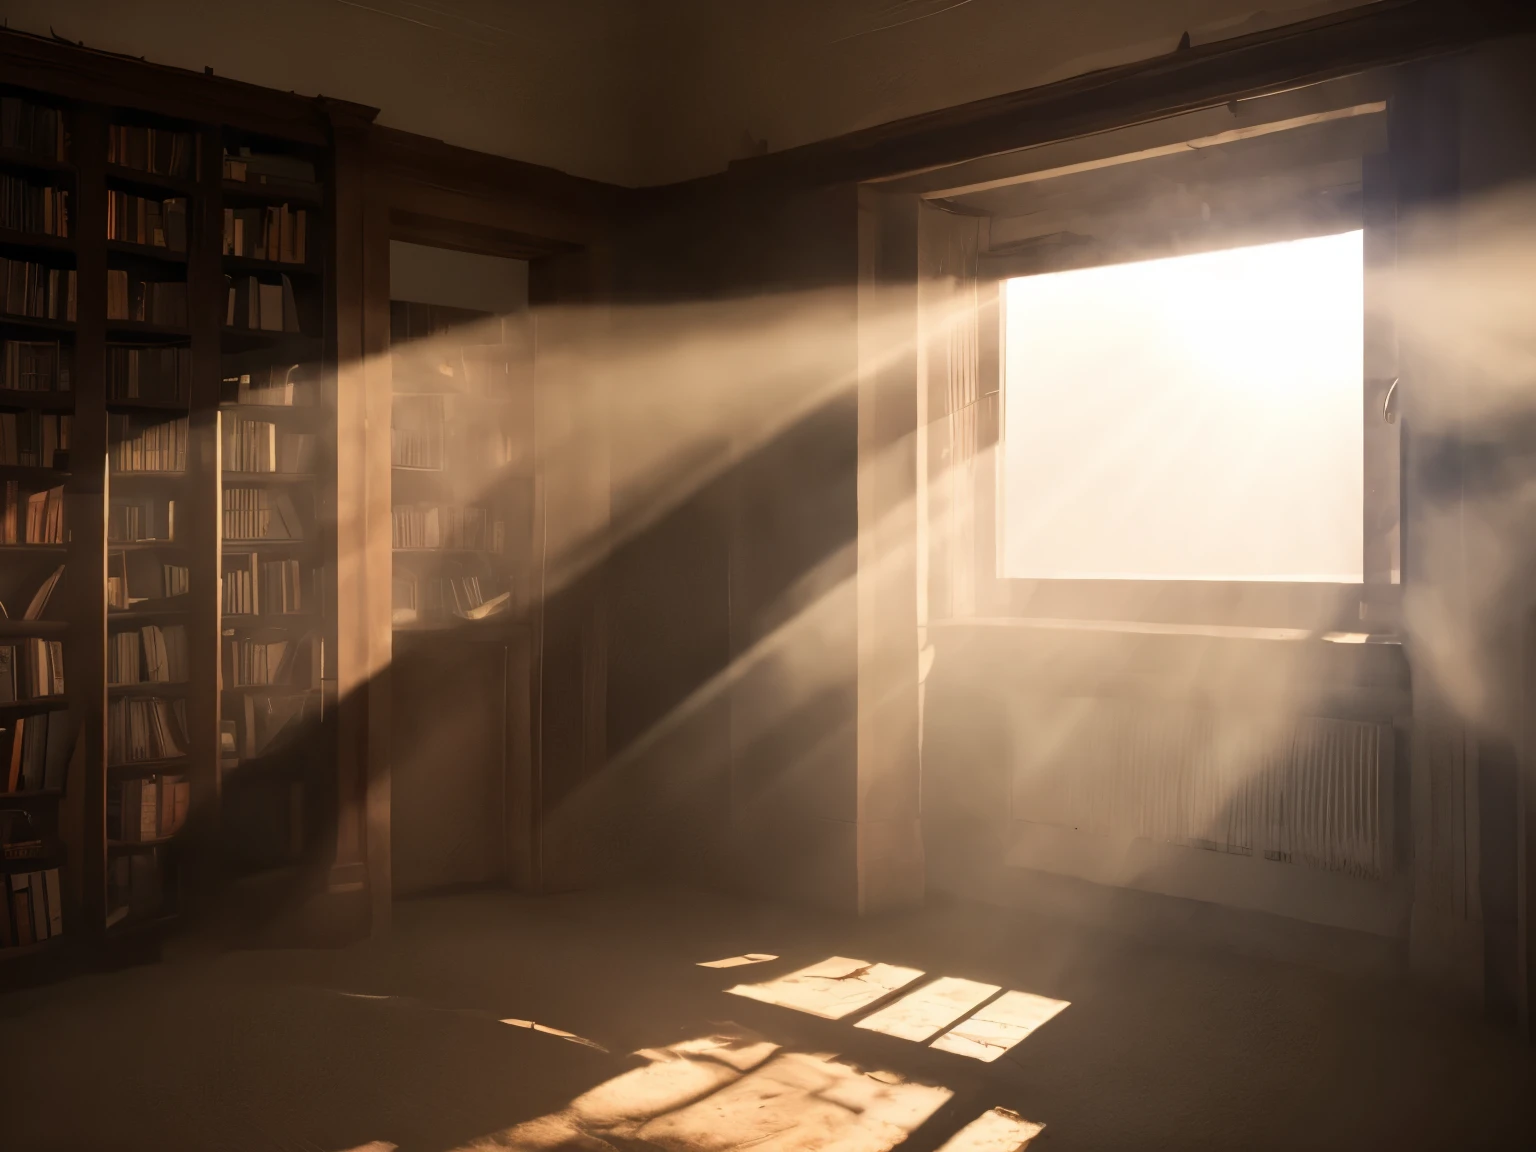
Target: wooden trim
(76, 72)
(1375, 35)
(468, 236)
(396, 154)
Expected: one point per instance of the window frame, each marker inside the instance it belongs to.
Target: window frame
(1372, 606)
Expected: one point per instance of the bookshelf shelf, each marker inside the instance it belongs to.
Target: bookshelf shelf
(151, 688)
(33, 628)
(35, 549)
(121, 174)
(37, 796)
(143, 615)
(14, 158)
(115, 846)
(143, 330)
(251, 265)
(35, 323)
(39, 400)
(28, 472)
(12, 238)
(146, 252)
(273, 192)
(149, 767)
(284, 343)
(178, 406)
(244, 478)
(31, 707)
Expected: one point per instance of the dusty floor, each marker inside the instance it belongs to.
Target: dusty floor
(403, 1042)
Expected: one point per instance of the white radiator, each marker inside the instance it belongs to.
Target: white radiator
(1307, 791)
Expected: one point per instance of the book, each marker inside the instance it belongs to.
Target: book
(277, 233)
(144, 220)
(158, 374)
(249, 167)
(260, 514)
(36, 290)
(40, 209)
(132, 298)
(141, 520)
(258, 305)
(44, 522)
(40, 598)
(37, 366)
(34, 439)
(39, 752)
(43, 668)
(147, 808)
(8, 663)
(160, 151)
(32, 128)
(147, 444)
(145, 728)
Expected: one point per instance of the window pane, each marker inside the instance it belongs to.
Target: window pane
(1193, 418)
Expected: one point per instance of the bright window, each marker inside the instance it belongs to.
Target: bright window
(1193, 418)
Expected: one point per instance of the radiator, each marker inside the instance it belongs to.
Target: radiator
(1307, 791)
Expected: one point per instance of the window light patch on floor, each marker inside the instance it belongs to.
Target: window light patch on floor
(835, 988)
(738, 961)
(995, 1130)
(930, 1009)
(992, 1031)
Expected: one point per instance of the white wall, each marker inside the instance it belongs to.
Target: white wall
(647, 93)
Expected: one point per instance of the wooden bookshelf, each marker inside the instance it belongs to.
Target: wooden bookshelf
(461, 452)
(153, 399)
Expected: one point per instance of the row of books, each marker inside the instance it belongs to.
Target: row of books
(34, 439)
(250, 167)
(31, 128)
(143, 728)
(155, 373)
(34, 911)
(445, 526)
(31, 670)
(159, 151)
(135, 886)
(131, 297)
(442, 596)
(36, 366)
(251, 663)
(43, 522)
(35, 751)
(145, 220)
(252, 586)
(272, 233)
(274, 386)
(141, 520)
(134, 577)
(148, 655)
(147, 444)
(35, 208)
(416, 432)
(147, 808)
(258, 446)
(260, 514)
(263, 722)
(37, 291)
(258, 306)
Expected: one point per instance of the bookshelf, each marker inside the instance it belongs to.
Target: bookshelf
(460, 468)
(461, 444)
(167, 541)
